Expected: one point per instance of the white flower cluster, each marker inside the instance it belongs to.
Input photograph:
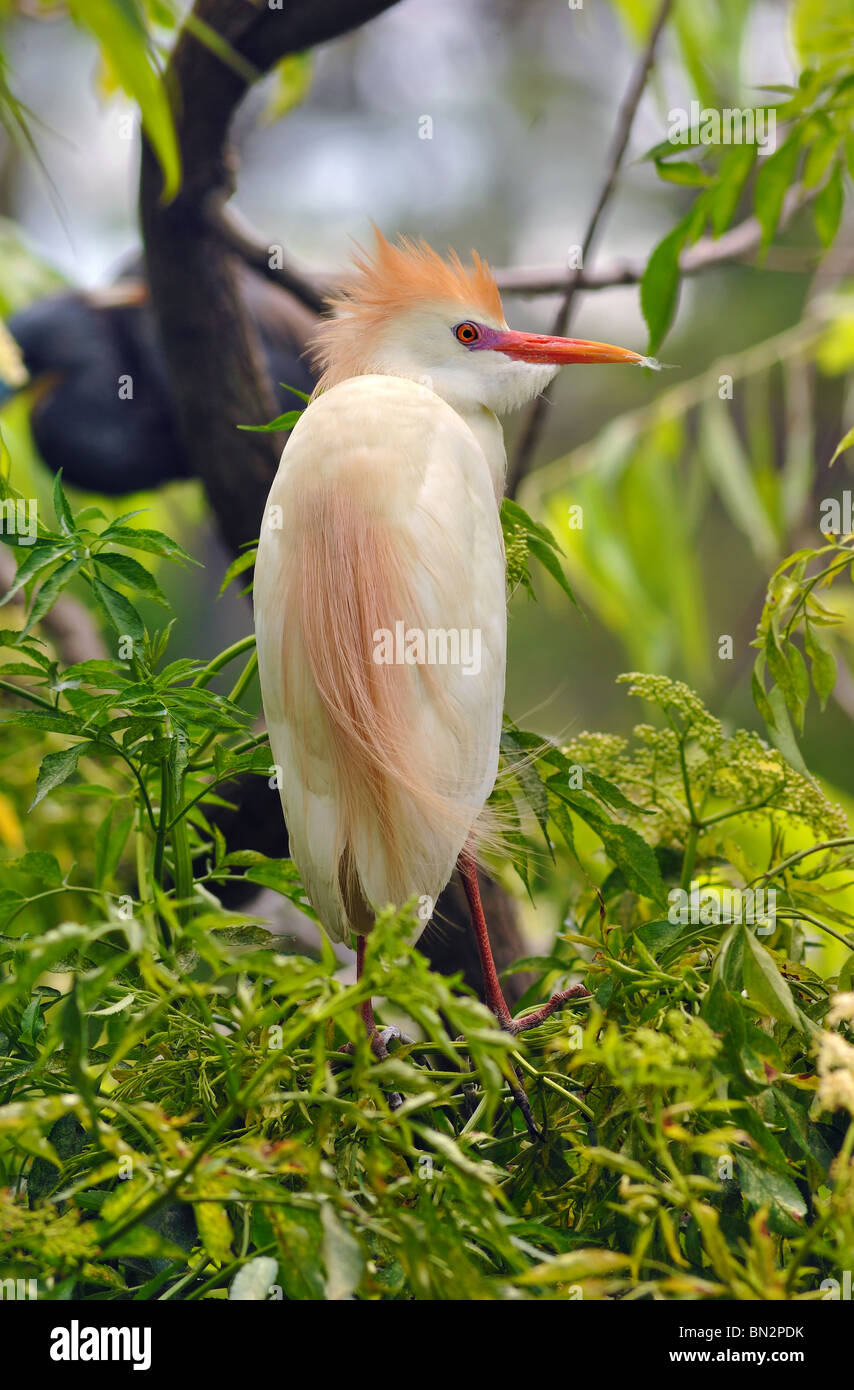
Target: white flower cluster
(836, 1059)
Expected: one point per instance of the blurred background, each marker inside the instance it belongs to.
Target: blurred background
(686, 509)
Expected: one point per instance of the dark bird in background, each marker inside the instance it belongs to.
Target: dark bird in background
(80, 348)
(102, 410)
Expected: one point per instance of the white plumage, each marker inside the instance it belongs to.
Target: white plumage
(400, 459)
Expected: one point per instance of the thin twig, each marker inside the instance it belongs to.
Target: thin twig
(740, 241)
(625, 120)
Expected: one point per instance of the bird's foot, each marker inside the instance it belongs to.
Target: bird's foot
(538, 1016)
(521, 1025)
(381, 1037)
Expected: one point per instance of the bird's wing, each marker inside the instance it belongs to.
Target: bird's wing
(381, 626)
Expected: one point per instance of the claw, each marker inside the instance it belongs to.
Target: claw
(524, 1105)
(381, 1037)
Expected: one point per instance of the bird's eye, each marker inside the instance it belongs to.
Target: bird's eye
(467, 333)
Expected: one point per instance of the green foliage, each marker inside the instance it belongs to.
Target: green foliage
(688, 457)
(525, 539)
(792, 609)
(181, 1116)
(812, 147)
(191, 1110)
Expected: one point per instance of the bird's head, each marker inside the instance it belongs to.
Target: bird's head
(407, 312)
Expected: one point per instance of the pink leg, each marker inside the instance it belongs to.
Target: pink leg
(492, 987)
(379, 1036)
(367, 1009)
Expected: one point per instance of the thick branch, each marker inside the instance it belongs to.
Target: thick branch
(215, 365)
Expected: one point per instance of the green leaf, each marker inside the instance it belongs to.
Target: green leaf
(573, 1265)
(548, 559)
(608, 791)
(132, 573)
(657, 936)
(295, 391)
(760, 699)
(110, 839)
(819, 157)
(659, 291)
(238, 566)
(291, 83)
(119, 612)
(827, 208)
(215, 1230)
(61, 508)
(766, 1187)
(783, 734)
(39, 557)
(156, 542)
(732, 176)
(72, 1022)
(775, 177)
(731, 473)
(822, 662)
(48, 721)
(281, 422)
(49, 593)
(55, 769)
(38, 864)
(538, 540)
(119, 27)
(683, 172)
(631, 853)
(666, 149)
(280, 874)
(782, 672)
(845, 443)
(626, 849)
(764, 983)
(142, 1242)
(526, 775)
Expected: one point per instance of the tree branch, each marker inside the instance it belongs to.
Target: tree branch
(215, 365)
(625, 120)
(238, 236)
(311, 287)
(736, 244)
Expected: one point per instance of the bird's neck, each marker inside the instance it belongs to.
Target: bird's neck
(487, 430)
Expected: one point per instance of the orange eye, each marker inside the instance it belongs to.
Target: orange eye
(467, 332)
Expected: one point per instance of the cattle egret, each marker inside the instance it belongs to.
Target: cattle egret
(380, 606)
